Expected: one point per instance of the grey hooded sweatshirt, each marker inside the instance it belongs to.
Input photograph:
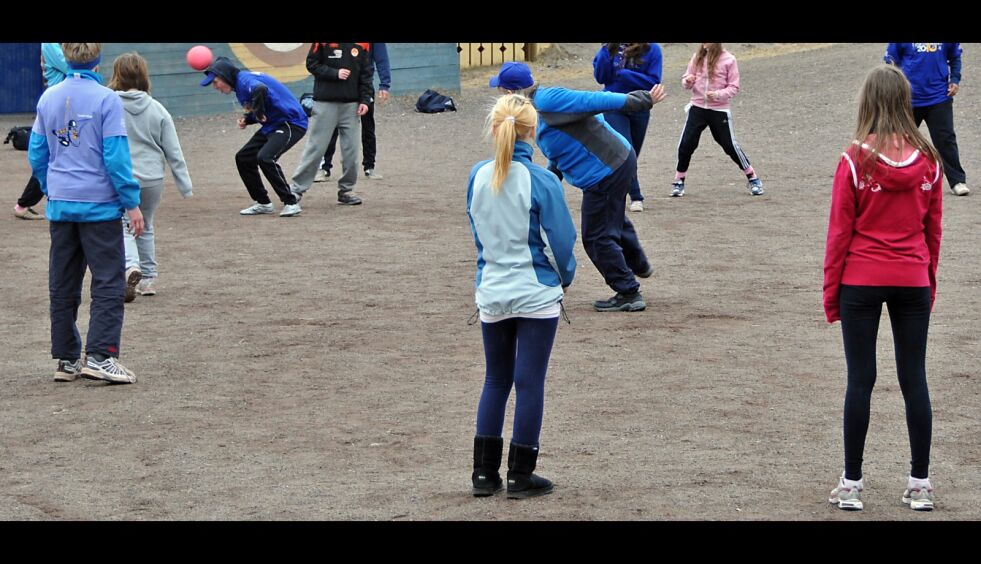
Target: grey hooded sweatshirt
(153, 138)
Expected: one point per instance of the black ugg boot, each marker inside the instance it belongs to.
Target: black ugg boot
(486, 465)
(522, 460)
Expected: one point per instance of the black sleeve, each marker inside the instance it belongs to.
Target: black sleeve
(366, 88)
(315, 65)
(258, 102)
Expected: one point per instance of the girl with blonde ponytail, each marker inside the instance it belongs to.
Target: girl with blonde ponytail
(524, 236)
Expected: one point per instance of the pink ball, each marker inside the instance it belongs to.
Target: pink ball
(199, 57)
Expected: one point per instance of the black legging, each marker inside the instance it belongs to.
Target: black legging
(909, 313)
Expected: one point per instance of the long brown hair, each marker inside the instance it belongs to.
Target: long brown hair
(885, 109)
(513, 117)
(130, 72)
(632, 54)
(711, 51)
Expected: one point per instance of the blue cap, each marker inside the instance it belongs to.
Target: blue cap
(513, 76)
(208, 79)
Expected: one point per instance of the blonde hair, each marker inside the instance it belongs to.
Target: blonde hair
(712, 51)
(513, 117)
(81, 52)
(130, 72)
(885, 108)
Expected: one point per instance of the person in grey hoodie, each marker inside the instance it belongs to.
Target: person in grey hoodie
(152, 139)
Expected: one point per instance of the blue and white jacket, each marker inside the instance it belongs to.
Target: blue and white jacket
(577, 140)
(524, 236)
(930, 67)
(616, 75)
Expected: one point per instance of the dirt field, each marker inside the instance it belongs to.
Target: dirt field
(321, 367)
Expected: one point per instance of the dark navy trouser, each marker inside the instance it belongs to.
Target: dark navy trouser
(99, 246)
(516, 351)
(909, 313)
(633, 126)
(608, 235)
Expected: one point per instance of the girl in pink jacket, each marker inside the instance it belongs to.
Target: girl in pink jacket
(713, 78)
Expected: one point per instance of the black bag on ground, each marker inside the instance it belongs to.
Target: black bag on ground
(432, 102)
(21, 136)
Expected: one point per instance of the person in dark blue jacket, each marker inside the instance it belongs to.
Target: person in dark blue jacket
(584, 149)
(625, 67)
(378, 54)
(934, 73)
(268, 102)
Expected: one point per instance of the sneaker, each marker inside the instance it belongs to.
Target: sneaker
(258, 209)
(755, 187)
(845, 497)
(959, 189)
(146, 287)
(289, 210)
(678, 189)
(348, 199)
(322, 175)
(647, 273)
(919, 499)
(372, 174)
(637, 206)
(133, 277)
(109, 370)
(622, 302)
(29, 213)
(67, 370)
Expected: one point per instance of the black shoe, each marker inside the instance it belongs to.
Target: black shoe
(622, 302)
(348, 199)
(647, 273)
(522, 483)
(486, 475)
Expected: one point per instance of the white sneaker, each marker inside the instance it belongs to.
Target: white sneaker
(133, 277)
(146, 287)
(109, 370)
(258, 209)
(373, 174)
(637, 206)
(919, 498)
(960, 189)
(321, 176)
(847, 497)
(289, 210)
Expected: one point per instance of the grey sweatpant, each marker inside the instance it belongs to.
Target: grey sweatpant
(326, 117)
(142, 253)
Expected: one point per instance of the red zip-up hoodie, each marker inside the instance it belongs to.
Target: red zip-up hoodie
(884, 230)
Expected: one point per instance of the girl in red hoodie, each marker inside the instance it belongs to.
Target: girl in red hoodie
(883, 246)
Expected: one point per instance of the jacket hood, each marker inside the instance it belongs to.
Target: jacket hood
(896, 169)
(223, 68)
(135, 101)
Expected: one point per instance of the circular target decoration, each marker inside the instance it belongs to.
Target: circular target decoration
(286, 62)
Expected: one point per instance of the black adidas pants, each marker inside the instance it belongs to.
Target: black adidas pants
(719, 123)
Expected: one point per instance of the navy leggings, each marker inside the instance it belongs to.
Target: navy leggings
(516, 351)
(909, 313)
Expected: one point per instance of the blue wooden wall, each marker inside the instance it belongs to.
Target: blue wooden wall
(20, 77)
(415, 67)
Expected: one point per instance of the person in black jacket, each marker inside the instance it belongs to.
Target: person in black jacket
(342, 90)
